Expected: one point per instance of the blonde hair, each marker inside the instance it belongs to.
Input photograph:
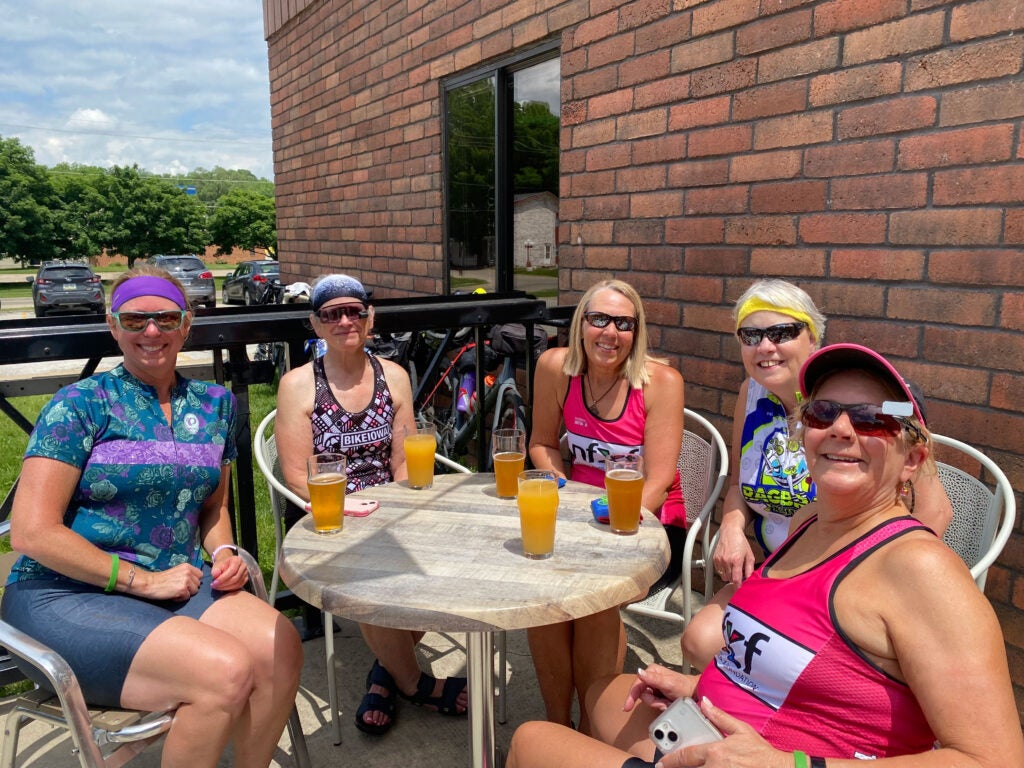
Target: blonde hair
(785, 298)
(634, 370)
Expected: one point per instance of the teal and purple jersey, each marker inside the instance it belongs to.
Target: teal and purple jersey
(143, 482)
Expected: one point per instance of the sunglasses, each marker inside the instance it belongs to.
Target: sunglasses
(777, 334)
(866, 418)
(333, 315)
(136, 322)
(601, 320)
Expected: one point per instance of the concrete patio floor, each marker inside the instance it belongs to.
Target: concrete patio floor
(419, 739)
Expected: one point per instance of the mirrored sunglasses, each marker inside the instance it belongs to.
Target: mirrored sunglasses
(777, 334)
(332, 315)
(865, 418)
(601, 320)
(136, 322)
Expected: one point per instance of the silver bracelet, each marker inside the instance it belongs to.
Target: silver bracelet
(218, 550)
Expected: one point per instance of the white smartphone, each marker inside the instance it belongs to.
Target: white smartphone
(682, 725)
(360, 507)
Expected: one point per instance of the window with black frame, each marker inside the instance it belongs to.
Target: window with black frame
(501, 192)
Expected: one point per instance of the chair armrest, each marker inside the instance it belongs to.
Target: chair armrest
(256, 584)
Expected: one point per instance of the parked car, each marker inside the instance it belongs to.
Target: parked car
(247, 283)
(66, 286)
(193, 274)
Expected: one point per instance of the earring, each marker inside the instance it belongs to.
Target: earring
(906, 488)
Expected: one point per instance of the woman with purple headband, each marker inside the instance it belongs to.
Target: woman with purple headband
(351, 402)
(124, 485)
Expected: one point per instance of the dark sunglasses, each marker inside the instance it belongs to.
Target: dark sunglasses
(601, 320)
(332, 315)
(865, 418)
(136, 322)
(777, 334)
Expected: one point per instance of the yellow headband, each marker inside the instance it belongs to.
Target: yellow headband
(754, 304)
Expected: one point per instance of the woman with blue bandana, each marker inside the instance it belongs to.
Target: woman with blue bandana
(125, 482)
(352, 402)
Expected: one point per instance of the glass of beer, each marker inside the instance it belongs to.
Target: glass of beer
(326, 482)
(538, 509)
(624, 484)
(508, 449)
(420, 444)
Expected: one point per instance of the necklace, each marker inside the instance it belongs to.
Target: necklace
(594, 401)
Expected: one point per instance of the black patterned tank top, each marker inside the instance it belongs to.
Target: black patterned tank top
(364, 437)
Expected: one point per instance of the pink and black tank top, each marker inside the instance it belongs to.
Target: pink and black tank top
(788, 669)
(591, 438)
(364, 437)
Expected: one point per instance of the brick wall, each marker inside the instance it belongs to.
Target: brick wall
(870, 150)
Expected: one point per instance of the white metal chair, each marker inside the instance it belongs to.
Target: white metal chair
(102, 738)
(983, 518)
(703, 468)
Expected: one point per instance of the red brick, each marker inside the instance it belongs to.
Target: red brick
(699, 112)
(844, 15)
(591, 82)
(774, 32)
(798, 60)
(643, 13)
(590, 30)
(610, 51)
(985, 18)
(843, 228)
(659, 149)
(954, 306)
(638, 124)
(661, 204)
(897, 38)
(726, 140)
(856, 84)
(643, 69)
(643, 231)
(593, 132)
(998, 351)
(705, 229)
(876, 264)
(788, 197)
(763, 166)
(703, 200)
(715, 261)
(893, 116)
(698, 173)
(711, 17)
(607, 257)
(765, 101)
(703, 52)
(1014, 229)
(860, 300)
(697, 288)
(897, 190)
(614, 103)
(607, 207)
(592, 183)
(983, 103)
(945, 227)
(660, 259)
(799, 263)
(1012, 317)
(968, 146)
(637, 179)
(990, 59)
(668, 90)
(761, 230)
(731, 76)
(793, 130)
(997, 184)
(992, 267)
(676, 26)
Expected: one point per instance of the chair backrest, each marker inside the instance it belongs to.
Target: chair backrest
(703, 466)
(983, 516)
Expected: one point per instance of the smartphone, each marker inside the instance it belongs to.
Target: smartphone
(682, 725)
(360, 507)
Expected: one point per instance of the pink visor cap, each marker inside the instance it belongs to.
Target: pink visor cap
(854, 357)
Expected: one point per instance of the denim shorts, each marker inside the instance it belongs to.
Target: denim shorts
(97, 634)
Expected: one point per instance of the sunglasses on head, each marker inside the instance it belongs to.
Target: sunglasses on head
(865, 418)
(777, 334)
(601, 320)
(332, 315)
(136, 322)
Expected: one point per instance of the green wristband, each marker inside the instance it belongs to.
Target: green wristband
(800, 760)
(115, 567)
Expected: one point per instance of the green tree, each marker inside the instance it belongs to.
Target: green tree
(26, 196)
(148, 216)
(244, 219)
(212, 185)
(80, 209)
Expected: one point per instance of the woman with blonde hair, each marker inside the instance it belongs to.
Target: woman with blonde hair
(611, 397)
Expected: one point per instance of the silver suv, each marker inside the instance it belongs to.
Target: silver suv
(66, 286)
(193, 274)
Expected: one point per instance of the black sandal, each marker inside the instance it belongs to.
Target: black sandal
(376, 702)
(446, 703)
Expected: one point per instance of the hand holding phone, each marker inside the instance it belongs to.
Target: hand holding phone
(682, 725)
(360, 507)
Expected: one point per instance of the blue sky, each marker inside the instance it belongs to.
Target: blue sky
(166, 85)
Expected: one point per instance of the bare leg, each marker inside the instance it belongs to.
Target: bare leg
(551, 648)
(598, 651)
(702, 638)
(541, 745)
(626, 731)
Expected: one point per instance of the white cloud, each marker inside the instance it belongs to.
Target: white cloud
(166, 86)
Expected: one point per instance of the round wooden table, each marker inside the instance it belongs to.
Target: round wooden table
(449, 559)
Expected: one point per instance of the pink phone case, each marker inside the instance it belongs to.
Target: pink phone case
(360, 507)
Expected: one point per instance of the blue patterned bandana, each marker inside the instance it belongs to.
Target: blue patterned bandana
(337, 287)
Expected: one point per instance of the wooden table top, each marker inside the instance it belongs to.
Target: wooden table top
(449, 559)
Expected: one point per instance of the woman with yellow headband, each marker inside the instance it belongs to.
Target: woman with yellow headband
(778, 327)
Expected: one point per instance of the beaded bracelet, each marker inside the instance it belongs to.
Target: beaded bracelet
(115, 566)
(218, 550)
(818, 762)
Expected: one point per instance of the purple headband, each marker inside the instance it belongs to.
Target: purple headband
(146, 285)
